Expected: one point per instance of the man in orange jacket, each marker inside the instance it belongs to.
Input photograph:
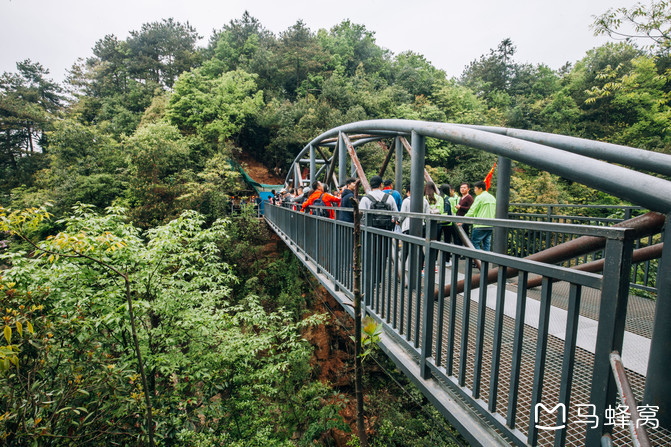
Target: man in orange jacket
(317, 192)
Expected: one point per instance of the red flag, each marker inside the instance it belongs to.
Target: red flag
(488, 179)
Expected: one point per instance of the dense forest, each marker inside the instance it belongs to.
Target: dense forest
(135, 310)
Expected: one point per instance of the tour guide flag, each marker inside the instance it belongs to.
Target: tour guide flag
(488, 179)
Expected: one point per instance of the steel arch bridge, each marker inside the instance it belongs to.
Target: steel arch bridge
(504, 366)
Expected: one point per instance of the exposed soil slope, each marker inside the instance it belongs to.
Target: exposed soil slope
(258, 171)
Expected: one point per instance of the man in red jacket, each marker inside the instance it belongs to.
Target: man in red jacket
(317, 192)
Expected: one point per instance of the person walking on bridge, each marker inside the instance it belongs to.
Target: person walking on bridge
(346, 200)
(464, 204)
(379, 195)
(484, 206)
(318, 192)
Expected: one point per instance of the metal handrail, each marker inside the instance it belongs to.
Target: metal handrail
(404, 304)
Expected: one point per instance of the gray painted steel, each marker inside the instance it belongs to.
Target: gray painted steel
(628, 156)
(411, 322)
(398, 171)
(502, 203)
(642, 189)
(657, 384)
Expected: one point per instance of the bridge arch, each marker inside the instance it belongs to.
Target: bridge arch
(573, 158)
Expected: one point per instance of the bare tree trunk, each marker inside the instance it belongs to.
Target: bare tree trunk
(358, 370)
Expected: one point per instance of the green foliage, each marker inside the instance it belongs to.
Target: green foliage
(643, 117)
(540, 188)
(157, 154)
(650, 23)
(208, 361)
(29, 102)
(415, 74)
(214, 109)
(459, 104)
(351, 46)
(160, 51)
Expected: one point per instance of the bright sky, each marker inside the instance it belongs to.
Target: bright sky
(448, 33)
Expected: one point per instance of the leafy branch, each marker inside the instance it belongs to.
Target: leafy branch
(17, 223)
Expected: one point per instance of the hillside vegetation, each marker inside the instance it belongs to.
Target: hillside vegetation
(135, 310)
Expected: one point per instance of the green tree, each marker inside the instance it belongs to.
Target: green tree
(415, 74)
(246, 45)
(301, 56)
(29, 103)
(651, 24)
(639, 97)
(492, 73)
(215, 109)
(596, 120)
(157, 155)
(161, 51)
(460, 104)
(351, 45)
(209, 355)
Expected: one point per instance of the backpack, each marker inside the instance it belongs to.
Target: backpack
(447, 209)
(320, 202)
(377, 220)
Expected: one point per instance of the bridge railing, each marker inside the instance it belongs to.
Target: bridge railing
(523, 242)
(494, 349)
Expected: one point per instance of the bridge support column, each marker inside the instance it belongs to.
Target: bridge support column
(342, 160)
(502, 204)
(657, 383)
(398, 166)
(416, 206)
(430, 257)
(417, 182)
(312, 164)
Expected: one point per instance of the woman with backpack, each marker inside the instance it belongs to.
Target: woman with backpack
(321, 198)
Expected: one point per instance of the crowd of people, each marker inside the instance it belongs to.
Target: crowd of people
(443, 200)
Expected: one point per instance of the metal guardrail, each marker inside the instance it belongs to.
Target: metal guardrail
(522, 242)
(450, 334)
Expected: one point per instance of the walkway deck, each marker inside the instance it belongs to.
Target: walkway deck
(635, 352)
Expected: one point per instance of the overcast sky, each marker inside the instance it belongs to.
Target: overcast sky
(448, 33)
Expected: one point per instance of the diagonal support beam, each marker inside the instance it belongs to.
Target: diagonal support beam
(390, 152)
(356, 163)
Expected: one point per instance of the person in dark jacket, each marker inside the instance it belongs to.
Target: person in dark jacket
(346, 200)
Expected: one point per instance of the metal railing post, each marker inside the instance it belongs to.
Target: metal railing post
(502, 204)
(312, 164)
(427, 296)
(398, 165)
(610, 335)
(342, 160)
(416, 204)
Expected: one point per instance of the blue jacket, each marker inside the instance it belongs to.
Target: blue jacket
(396, 195)
(346, 202)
